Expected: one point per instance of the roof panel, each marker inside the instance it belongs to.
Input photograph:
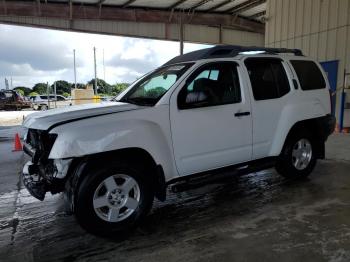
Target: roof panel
(211, 4)
(186, 5)
(254, 10)
(115, 2)
(153, 3)
(83, 1)
(231, 5)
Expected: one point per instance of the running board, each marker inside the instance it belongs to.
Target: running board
(219, 175)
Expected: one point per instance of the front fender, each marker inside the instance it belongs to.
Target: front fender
(109, 133)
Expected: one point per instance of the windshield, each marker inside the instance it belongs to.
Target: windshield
(150, 89)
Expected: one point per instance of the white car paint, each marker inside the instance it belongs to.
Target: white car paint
(188, 141)
(44, 120)
(210, 137)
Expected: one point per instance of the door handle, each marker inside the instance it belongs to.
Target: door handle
(239, 114)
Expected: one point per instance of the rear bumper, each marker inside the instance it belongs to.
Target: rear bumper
(327, 126)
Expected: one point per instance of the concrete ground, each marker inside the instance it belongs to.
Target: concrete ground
(257, 217)
(10, 118)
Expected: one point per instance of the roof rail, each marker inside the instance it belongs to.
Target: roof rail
(221, 51)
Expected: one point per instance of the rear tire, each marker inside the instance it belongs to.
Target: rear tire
(298, 157)
(43, 107)
(106, 204)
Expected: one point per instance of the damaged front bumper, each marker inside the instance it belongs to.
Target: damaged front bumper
(32, 181)
(38, 179)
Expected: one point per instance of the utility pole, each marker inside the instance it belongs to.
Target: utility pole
(75, 71)
(6, 84)
(104, 69)
(95, 86)
(55, 94)
(181, 36)
(48, 94)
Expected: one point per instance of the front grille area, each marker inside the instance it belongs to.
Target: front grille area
(33, 138)
(40, 142)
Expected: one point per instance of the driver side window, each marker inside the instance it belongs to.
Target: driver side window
(211, 85)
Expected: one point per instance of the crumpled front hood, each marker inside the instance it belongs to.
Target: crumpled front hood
(45, 119)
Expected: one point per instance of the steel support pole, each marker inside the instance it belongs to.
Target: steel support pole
(75, 71)
(342, 102)
(95, 85)
(181, 36)
(54, 86)
(48, 94)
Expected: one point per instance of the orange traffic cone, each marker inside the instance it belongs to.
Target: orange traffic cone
(18, 145)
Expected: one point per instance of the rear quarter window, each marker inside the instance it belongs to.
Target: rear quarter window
(309, 75)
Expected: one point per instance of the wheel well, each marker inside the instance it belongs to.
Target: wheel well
(131, 155)
(314, 128)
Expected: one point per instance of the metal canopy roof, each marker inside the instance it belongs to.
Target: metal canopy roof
(251, 9)
(201, 21)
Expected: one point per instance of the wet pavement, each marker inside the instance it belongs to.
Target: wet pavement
(259, 216)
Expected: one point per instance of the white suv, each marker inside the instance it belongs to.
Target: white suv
(42, 102)
(222, 108)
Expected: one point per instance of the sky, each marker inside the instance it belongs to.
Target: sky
(31, 55)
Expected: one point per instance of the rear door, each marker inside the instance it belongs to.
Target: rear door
(210, 118)
(270, 88)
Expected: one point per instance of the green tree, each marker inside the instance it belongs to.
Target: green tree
(20, 91)
(24, 90)
(62, 86)
(79, 86)
(33, 94)
(119, 87)
(103, 86)
(40, 88)
(65, 94)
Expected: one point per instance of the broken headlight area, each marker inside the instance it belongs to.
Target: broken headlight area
(38, 144)
(41, 175)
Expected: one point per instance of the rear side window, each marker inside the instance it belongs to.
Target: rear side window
(268, 78)
(60, 98)
(309, 75)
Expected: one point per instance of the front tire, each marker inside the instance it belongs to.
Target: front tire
(298, 157)
(113, 199)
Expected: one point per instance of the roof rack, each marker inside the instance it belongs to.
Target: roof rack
(221, 51)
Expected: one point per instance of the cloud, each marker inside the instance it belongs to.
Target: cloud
(31, 55)
(37, 51)
(144, 63)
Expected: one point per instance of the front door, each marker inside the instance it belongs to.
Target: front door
(210, 119)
